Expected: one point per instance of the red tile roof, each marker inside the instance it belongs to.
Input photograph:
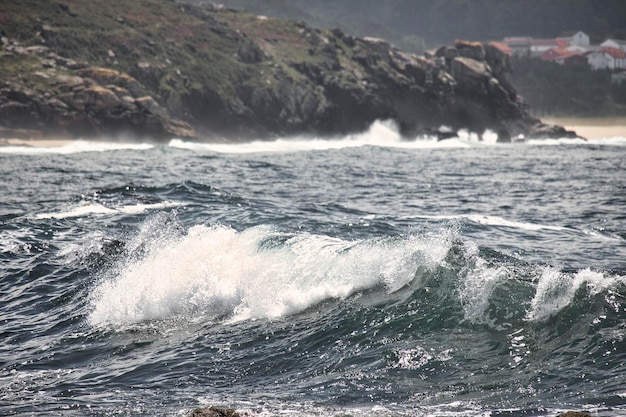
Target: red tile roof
(562, 43)
(503, 47)
(543, 42)
(614, 52)
(558, 53)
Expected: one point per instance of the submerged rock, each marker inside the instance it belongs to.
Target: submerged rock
(215, 412)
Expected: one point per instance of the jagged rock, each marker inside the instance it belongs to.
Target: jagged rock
(149, 105)
(215, 412)
(251, 53)
(110, 76)
(473, 50)
(574, 414)
(67, 83)
(98, 98)
(546, 131)
(470, 74)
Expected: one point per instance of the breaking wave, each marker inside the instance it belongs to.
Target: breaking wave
(217, 274)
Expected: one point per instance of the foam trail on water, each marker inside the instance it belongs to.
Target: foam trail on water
(218, 273)
(72, 147)
(88, 208)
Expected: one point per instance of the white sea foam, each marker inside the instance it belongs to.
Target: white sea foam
(216, 272)
(478, 284)
(556, 290)
(72, 147)
(87, 208)
(380, 134)
(494, 221)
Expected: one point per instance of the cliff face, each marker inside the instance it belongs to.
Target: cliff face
(159, 69)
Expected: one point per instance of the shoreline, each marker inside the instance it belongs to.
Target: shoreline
(592, 127)
(38, 143)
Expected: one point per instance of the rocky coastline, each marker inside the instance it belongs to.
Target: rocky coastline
(166, 69)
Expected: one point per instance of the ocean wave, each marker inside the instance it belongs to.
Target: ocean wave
(380, 134)
(215, 273)
(88, 208)
(218, 273)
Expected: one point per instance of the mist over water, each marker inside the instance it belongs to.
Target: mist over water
(366, 275)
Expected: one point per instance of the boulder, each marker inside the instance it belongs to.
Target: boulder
(215, 412)
(99, 99)
(470, 74)
(547, 131)
(474, 50)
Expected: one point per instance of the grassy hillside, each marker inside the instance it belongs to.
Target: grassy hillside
(441, 21)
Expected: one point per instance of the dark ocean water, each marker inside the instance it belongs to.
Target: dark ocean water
(365, 276)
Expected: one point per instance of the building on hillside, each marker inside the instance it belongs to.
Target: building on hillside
(581, 49)
(598, 60)
(607, 58)
(614, 43)
(520, 46)
(578, 38)
(564, 56)
(540, 46)
(502, 47)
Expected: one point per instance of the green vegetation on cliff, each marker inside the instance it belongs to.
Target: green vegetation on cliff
(556, 90)
(159, 68)
(442, 21)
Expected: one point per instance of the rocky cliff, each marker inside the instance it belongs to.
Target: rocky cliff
(159, 69)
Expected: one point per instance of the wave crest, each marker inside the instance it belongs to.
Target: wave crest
(215, 272)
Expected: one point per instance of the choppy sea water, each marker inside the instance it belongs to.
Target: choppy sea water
(363, 276)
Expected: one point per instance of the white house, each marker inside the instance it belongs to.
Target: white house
(611, 58)
(579, 38)
(614, 43)
(599, 60)
(540, 46)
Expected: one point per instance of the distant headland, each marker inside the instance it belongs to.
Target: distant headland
(158, 69)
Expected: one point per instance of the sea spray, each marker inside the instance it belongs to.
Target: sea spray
(557, 290)
(215, 272)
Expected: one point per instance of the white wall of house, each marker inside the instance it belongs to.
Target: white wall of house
(610, 43)
(580, 39)
(578, 48)
(538, 50)
(614, 43)
(599, 60)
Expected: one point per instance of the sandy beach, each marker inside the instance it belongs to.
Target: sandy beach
(39, 143)
(592, 128)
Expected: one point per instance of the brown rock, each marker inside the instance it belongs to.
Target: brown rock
(470, 74)
(148, 104)
(472, 50)
(100, 98)
(214, 412)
